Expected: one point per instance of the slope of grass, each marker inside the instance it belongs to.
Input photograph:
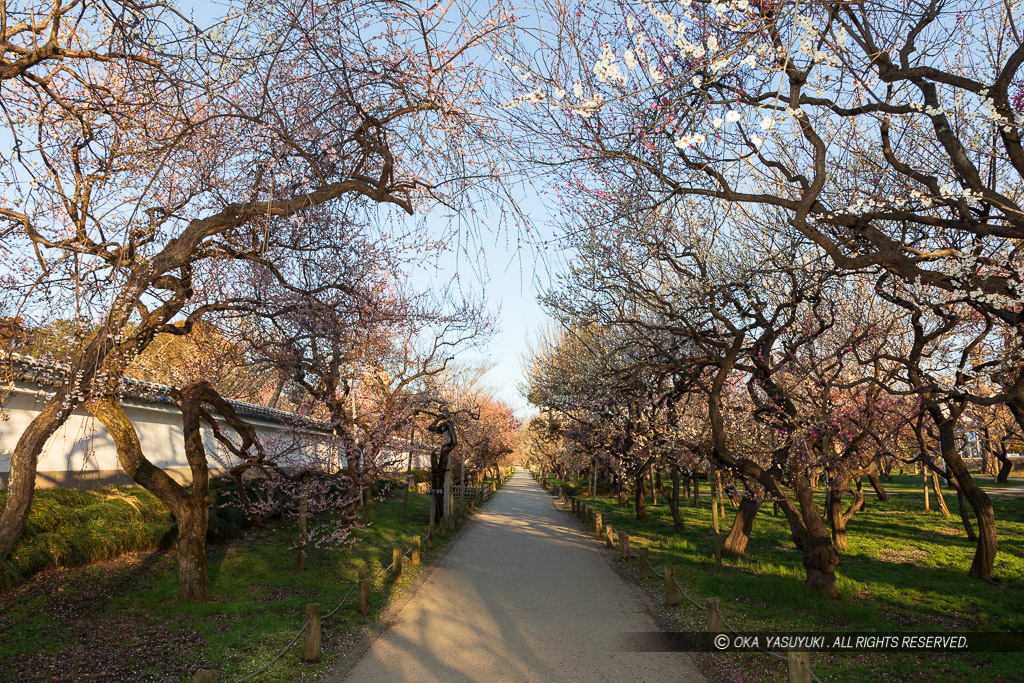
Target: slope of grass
(71, 528)
(68, 528)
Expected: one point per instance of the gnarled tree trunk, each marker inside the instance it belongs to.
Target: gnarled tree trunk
(876, 484)
(985, 553)
(838, 517)
(937, 490)
(736, 541)
(21, 484)
(638, 497)
(190, 509)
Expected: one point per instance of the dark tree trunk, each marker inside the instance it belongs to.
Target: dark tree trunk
(1005, 466)
(641, 502)
(985, 554)
(965, 516)
(437, 467)
(937, 490)
(677, 520)
(876, 484)
(736, 541)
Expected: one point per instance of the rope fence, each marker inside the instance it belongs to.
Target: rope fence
(312, 647)
(799, 662)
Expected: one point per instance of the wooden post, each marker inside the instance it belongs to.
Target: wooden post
(924, 471)
(396, 564)
(718, 550)
(415, 549)
(364, 591)
(609, 536)
(205, 676)
(799, 667)
(598, 525)
(311, 652)
(715, 623)
(645, 568)
(623, 546)
(671, 594)
(430, 537)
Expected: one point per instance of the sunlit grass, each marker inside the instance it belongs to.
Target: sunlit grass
(906, 569)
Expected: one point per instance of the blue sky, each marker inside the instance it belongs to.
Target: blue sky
(510, 276)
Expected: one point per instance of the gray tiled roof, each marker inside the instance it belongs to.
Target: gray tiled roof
(51, 373)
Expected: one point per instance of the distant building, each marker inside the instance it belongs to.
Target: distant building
(82, 455)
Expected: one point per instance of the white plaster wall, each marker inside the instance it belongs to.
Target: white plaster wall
(82, 450)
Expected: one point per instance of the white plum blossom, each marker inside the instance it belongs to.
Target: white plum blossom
(733, 116)
(689, 140)
(688, 49)
(767, 123)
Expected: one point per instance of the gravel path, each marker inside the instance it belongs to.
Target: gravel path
(522, 596)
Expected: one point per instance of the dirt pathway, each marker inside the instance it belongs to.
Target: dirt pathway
(522, 596)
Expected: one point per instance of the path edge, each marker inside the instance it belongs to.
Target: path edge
(654, 610)
(369, 635)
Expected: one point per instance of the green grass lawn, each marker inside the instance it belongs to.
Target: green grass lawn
(125, 618)
(905, 570)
